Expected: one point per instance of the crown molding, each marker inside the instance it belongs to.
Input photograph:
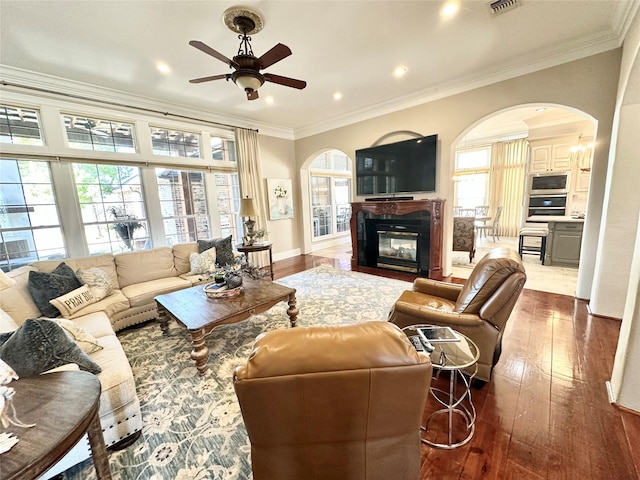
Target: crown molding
(59, 88)
(515, 67)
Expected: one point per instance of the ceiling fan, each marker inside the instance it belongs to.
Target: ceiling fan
(247, 66)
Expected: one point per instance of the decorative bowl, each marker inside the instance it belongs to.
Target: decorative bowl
(221, 290)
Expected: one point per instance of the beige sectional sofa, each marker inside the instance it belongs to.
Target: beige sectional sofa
(136, 277)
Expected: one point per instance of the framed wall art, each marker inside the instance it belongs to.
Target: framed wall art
(279, 196)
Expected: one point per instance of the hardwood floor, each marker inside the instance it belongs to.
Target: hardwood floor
(546, 413)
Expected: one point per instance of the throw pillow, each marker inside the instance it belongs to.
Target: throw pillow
(39, 345)
(224, 249)
(73, 301)
(202, 262)
(45, 286)
(97, 280)
(86, 341)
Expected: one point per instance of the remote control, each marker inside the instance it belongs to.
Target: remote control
(417, 343)
(427, 344)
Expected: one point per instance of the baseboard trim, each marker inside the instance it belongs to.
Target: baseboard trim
(590, 312)
(288, 254)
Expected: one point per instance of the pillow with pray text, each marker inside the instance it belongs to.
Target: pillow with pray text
(73, 301)
(45, 286)
(97, 280)
(39, 345)
(202, 262)
(86, 341)
(224, 249)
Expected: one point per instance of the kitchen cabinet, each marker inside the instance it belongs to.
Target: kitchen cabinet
(550, 158)
(564, 242)
(581, 180)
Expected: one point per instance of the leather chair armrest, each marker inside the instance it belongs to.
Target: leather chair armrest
(450, 291)
(438, 317)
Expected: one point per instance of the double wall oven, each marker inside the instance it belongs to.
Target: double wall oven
(548, 194)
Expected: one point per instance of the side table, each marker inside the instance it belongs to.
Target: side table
(257, 247)
(64, 406)
(458, 358)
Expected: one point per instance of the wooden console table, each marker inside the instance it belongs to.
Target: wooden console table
(396, 210)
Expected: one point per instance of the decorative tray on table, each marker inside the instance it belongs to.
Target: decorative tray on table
(221, 290)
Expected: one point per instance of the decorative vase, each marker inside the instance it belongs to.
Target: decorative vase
(233, 280)
(219, 277)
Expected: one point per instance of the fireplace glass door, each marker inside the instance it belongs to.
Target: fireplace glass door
(398, 250)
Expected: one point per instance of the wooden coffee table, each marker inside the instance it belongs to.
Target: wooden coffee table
(200, 314)
(64, 406)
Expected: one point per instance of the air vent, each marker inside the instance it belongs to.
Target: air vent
(501, 6)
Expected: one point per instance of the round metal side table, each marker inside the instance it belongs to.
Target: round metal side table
(458, 358)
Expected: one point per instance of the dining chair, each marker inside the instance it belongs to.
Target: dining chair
(493, 227)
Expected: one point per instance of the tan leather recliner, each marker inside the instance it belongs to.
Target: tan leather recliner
(334, 402)
(479, 309)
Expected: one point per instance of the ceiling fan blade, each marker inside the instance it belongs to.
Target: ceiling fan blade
(252, 94)
(208, 79)
(210, 51)
(274, 55)
(286, 81)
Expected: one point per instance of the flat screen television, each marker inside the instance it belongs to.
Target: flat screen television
(402, 167)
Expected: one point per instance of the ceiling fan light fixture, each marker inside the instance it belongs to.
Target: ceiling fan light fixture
(248, 80)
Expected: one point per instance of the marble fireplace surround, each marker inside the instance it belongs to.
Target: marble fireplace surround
(428, 210)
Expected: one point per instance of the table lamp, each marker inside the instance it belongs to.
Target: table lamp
(247, 210)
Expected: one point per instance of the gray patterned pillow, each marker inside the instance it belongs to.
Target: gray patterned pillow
(39, 345)
(45, 286)
(97, 280)
(224, 249)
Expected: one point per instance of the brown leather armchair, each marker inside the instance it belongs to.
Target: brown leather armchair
(479, 309)
(334, 402)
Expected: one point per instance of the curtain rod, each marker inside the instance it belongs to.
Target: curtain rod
(117, 104)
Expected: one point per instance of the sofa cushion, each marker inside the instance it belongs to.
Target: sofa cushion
(74, 301)
(83, 339)
(46, 286)
(114, 303)
(181, 254)
(104, 262)
(16, 300)
(39, 345)
(7, 324)
(145, 265)
(96, 324)
(97, 280)
(224, 249)
(144, 293)
(202, 262)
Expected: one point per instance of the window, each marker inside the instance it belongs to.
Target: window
(471, 177)
(112, 207)
(174, 143)
(99, 134)
(183, 202)
(223, 149)
(20, 126)
(228, 203)
(330, 193)
(29, 221)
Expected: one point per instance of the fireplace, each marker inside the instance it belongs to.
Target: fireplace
(404, 235)
(397, 245)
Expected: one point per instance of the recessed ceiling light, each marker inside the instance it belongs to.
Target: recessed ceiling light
(337, 96)
(541, 109)
(400, 71)
(269, 100)
(163, 67)
(450, 8)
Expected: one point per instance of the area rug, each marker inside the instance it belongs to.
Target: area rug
(193, 428)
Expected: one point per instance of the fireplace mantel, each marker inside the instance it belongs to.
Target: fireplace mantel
(393, 209)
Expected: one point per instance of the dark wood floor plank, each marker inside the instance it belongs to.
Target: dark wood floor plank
(546, 414)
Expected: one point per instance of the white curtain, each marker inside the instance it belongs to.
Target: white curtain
(251, 182)
(507, 178)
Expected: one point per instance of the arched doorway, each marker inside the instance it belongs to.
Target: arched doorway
(560, 140)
